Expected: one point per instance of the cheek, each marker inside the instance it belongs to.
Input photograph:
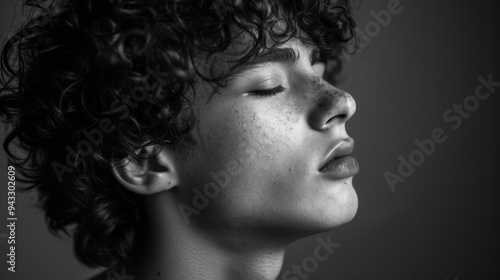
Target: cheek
(254, 133)
(268, 140)
(261, 141)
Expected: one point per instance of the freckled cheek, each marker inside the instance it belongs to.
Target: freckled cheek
(268, 134)
(262, 147)
(258, 137)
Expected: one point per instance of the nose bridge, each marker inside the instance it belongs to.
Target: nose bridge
(329, 106)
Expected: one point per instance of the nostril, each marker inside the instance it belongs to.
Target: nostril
(340, 117)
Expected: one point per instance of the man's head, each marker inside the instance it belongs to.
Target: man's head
(216, 110)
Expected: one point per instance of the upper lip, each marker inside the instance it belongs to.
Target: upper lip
(340, 149)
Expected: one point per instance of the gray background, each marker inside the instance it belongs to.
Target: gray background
(443, 221)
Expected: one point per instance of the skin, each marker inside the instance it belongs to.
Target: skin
(267, 152)
(288, 134)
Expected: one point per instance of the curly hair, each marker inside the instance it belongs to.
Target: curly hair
(86, 83)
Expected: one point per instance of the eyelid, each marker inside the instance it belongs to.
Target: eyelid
(268, 92)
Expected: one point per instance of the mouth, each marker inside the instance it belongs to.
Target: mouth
(339, 163)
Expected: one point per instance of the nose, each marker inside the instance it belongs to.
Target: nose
(331, 107)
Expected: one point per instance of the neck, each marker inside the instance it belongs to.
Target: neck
(188, 251)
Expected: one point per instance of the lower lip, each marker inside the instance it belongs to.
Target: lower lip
(343, 167)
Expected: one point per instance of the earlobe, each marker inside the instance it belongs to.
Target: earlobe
(156, 171)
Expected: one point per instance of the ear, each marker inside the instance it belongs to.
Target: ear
(156, 171)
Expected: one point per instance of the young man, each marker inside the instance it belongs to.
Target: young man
(183, 139)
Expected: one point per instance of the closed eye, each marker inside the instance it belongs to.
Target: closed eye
(268, 92)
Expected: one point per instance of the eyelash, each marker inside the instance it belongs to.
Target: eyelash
(269, 92)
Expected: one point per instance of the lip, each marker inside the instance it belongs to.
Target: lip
(339, 163)
(343, 167)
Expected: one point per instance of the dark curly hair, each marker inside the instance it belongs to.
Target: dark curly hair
(86, 83)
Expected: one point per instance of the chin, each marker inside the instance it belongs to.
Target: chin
(330, 216)
(344, 209)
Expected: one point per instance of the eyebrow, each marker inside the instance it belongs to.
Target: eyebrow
(276, 55)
